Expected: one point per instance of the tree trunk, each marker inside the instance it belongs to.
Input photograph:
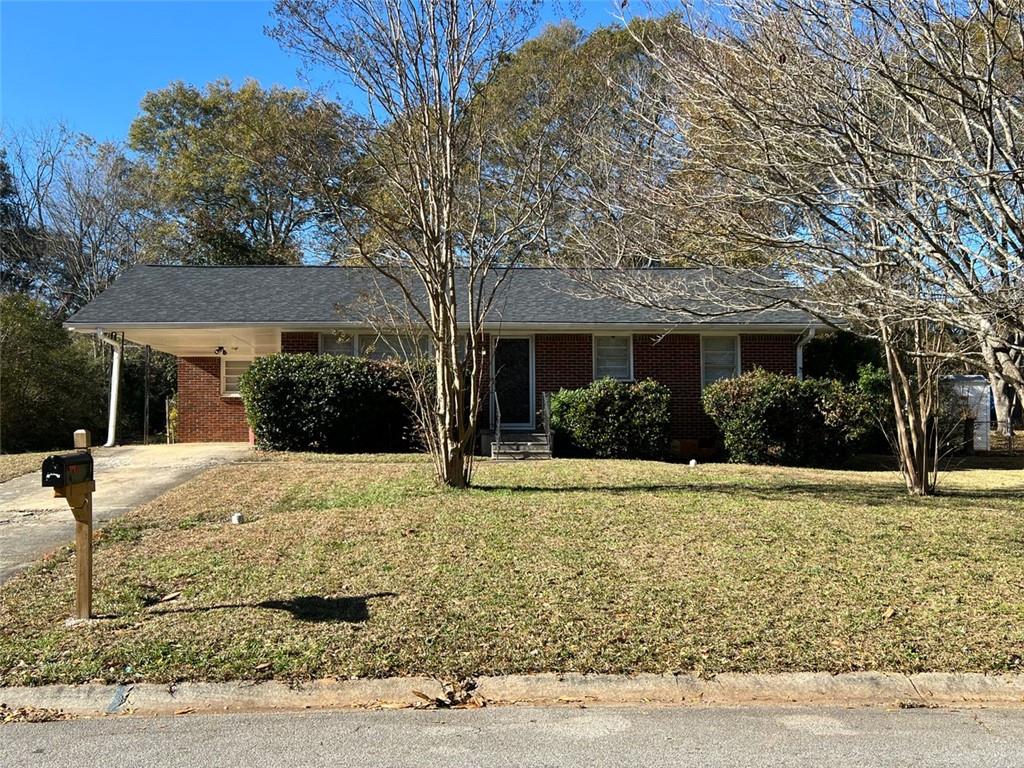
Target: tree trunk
(1002, 397)
(912, 407)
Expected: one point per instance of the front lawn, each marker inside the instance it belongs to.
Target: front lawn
(360, 567)
(14, 465)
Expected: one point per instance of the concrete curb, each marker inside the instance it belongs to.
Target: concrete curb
(798, 688)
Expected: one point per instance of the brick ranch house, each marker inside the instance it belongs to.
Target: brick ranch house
(544, 334)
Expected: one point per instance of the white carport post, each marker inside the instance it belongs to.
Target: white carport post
(115, 381)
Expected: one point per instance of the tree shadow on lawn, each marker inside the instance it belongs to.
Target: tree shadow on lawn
(311, 608)
(860, 494)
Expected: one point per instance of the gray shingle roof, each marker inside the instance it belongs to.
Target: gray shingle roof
(149, 295)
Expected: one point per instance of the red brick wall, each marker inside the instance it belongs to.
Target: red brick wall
(300, 342)
(562, 361)
(203, 414)
(674, 360)
(775, 353)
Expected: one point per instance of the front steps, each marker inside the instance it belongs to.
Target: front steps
(519, 445)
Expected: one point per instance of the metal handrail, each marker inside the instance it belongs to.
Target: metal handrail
(545, 415)
(497, 426)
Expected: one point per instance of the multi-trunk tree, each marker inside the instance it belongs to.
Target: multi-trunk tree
(447, 197)
(866, 152)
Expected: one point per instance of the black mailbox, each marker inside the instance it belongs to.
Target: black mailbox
(67, 469)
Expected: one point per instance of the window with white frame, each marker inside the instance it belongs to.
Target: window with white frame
(337, 344)
(613, 357)
(389, 345)
(231, 371)
(720, 358)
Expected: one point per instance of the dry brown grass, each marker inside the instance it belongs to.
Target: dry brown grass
(361, 567)
(14, 465)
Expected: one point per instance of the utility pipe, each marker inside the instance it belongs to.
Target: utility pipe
(115, 381)
(801, 343)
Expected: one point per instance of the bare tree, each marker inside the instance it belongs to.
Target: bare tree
(78, 222)
(446, 202)
(866, 152)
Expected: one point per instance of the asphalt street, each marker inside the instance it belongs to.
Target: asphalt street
(514, 736)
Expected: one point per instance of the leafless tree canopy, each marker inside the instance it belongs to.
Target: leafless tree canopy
(73, 220)
(865, 151)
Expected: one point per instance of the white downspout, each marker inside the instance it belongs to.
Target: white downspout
(115, 380)
(806, 337)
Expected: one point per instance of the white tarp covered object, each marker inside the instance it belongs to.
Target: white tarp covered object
(976, 395)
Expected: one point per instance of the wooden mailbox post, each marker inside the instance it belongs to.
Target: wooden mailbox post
(70, 476)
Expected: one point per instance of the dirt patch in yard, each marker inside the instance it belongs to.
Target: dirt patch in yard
(361, 567)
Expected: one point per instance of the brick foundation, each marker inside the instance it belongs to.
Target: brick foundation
(204, 416)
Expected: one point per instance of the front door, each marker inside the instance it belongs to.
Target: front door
(512, 398)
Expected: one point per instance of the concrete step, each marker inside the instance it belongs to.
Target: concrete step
(522, 446)
(520, 455)
(517, 445)
(517, 437)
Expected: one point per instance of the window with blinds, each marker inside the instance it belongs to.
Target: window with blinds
(337, 344)
(391, 346)
(720, 358)
(230, 374)
(613, 358)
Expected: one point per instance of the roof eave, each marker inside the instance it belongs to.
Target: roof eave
(788, 327)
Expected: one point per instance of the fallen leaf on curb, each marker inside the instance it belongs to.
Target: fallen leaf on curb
(185, 711)
(458, 694)
(31, 715)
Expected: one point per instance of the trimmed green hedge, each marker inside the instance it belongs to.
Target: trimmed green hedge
(766, 418)
(612, 419)
(329, 404)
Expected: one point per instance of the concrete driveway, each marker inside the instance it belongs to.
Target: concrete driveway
(33, 522)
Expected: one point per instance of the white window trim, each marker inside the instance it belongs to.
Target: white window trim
(593, 354)
(739, 353)
(223, 375)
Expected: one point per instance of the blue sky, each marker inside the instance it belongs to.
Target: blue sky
(90, 63)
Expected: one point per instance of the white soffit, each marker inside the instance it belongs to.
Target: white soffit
(203, 342)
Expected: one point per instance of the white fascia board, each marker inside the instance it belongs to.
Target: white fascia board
(488, 327)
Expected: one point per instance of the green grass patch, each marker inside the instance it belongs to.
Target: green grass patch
(362, 567)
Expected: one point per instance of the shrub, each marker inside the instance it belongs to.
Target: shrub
(767, 418)
(328, 404)
(612, 419)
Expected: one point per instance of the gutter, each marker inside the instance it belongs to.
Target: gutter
(805, 337)
(488, 327)
(115, 381)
